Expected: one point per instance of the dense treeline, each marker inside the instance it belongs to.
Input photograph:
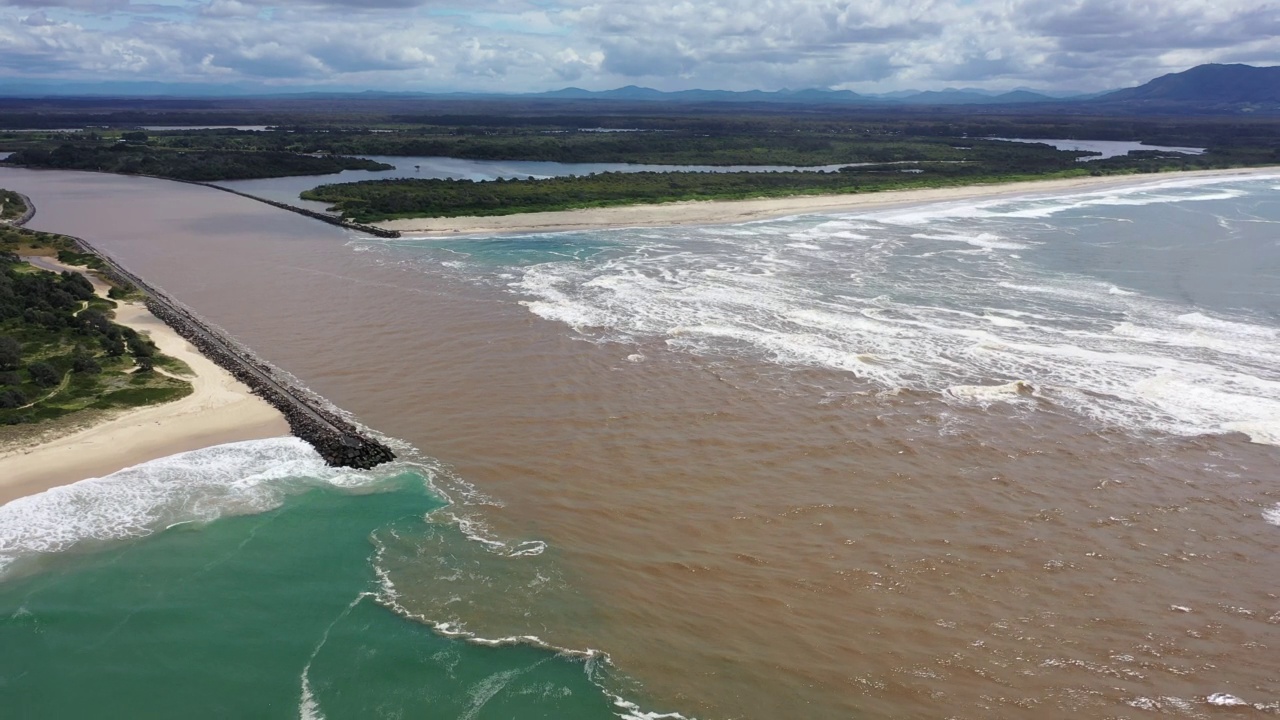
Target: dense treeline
(60, 352)
(201, 165)
(385, 199)
(375, 200)
(673, 134)
(657, 135)
(673, 147)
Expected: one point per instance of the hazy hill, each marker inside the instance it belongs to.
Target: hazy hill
(1223, 87)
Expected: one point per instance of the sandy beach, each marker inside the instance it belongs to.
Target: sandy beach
(714, 212)
(220, 409)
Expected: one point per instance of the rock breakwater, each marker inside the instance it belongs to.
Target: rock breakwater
(339, 440)
(26, 216)
(322, 217)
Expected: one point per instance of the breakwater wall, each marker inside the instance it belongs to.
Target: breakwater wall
(338, 440)
(25, 217)
(322, 217)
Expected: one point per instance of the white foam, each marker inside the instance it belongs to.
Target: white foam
(983, 240)
(1272, 515)
(1037, 206)
(389, 596)
(198, 486)
(1225, 700)
(968, 323)
(628, 710)
(986, 394)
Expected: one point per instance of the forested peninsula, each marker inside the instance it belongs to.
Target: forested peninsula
(379, 200)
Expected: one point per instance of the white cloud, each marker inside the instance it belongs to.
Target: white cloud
(516, 45)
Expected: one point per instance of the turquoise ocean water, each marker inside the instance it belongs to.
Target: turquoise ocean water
(248, 580)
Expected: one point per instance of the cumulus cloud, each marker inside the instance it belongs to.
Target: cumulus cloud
(522, 45)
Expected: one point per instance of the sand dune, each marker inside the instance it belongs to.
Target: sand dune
(221, 409)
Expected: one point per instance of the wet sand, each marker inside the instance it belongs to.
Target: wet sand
(714, 212)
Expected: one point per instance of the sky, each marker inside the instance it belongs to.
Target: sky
(867, 46)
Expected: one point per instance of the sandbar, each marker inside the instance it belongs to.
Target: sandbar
(716, 212)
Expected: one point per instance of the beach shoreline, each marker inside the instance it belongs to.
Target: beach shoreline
(220, 409)
(719, 212)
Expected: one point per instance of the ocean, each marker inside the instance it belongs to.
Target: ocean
(996, 458)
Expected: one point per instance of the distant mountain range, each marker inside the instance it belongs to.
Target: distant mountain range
(803, 97)
(1202, 89)
(1239, 87)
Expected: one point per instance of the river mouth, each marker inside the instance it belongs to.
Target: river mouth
(748, 529)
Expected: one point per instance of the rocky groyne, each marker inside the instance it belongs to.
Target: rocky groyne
(324, 218)
(339, 441)
(26, 216)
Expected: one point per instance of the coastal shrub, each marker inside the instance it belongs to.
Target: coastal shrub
(96, 322)
(10, 378)
(122, 292)
(10, 353)
(141, 347)
(84, 363)
(12, 398)
(145, 364)
(77, 285)
(113, 345)
(43, 374)
(133, 397)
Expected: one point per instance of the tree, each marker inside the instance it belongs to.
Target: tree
(113, 345)
(10, 353)
(43, 374)
(141, 347)
(84, 363)
(12, 398)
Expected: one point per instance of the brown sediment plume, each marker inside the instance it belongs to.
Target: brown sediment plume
(339, 441)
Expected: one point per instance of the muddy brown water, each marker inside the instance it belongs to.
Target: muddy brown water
(747, 544)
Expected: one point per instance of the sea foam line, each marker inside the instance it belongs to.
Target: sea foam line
(198, 486)
(388, 595)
